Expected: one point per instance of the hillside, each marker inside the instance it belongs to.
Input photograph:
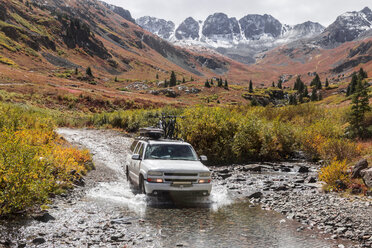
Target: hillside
(42, 44)
(46, 47)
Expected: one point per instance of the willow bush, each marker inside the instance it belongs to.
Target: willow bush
(241, 134)
(34, 161)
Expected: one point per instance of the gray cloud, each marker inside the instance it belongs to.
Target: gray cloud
(286, 11)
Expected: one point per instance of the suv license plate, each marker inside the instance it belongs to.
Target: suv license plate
(184, 184)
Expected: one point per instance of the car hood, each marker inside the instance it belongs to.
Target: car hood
(175, 165)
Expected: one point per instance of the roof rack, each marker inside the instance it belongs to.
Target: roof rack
(151, 132)
(167, 128)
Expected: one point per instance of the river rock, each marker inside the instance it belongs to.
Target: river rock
(367, 177)
(280, 188)
(255, 195)
(359, 166)
(43, 217)
(285, 169)
(253, 167)
(38, 241)
(224, 175)
(311, 180)
(303, 169)
(299, 181)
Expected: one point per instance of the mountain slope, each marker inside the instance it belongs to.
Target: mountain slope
(45, 47)
(347, 27)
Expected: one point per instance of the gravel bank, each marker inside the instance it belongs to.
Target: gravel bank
(292, 189)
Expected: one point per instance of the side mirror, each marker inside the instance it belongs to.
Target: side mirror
(203, 158)
(136, 157)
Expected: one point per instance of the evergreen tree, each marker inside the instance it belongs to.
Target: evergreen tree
(89, 72)
(319, 85)
(360, 106)
(207, 85)
(353, 84)
(191, 79)
(76, 70)
(183, 80)
(157, 76)
(348, 90)
(301, 98)
(226, 84)
(173, 79)
(326, 83)
(306, 92)
(212, 83)
(220, 82)
(250, 86)
(316, 81)
(299, 85)
(362, 73)
(314, 95)
(116, 79)
(273, 84)
(280, 84)
(292, 100)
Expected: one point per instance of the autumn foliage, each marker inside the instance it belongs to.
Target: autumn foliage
(34, 161)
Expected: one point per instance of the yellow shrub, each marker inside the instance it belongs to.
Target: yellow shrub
(33, 162)
(335, 171)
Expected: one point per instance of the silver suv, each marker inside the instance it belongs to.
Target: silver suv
(160, 165)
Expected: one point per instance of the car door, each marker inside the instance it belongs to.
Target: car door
(137, 163)
(132, 163)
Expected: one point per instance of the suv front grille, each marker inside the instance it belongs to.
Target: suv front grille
(181, 180)
(181, 174)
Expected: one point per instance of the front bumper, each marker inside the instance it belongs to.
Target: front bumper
(154, 188)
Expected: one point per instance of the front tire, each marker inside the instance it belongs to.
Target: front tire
(127, 174)
(142, 189)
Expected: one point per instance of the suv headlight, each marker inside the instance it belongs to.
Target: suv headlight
(205, 174)
(154, 173)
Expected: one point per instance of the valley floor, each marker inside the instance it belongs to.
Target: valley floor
(106, 212)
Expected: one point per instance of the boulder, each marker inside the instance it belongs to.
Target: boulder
(361, 165)
(367, 177)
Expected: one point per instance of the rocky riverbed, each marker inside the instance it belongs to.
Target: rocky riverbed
(292, 189)
(104, 212)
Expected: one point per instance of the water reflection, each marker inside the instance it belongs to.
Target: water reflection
(236, 225)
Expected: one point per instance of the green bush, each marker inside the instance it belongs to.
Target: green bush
(240, 134)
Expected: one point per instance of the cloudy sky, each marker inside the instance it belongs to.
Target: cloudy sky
(286, 11)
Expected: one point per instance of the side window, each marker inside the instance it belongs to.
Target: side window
(139, 145)
(141, 150)
(133, 145)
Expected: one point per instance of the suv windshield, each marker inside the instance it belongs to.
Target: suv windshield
(170, 152)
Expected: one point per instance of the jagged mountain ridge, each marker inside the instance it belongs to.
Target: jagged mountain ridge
(243, 39)
(218, 28)
(347, 27)
(238, 39)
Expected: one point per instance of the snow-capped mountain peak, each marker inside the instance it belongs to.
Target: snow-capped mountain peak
(160, 27)
(253, 33)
